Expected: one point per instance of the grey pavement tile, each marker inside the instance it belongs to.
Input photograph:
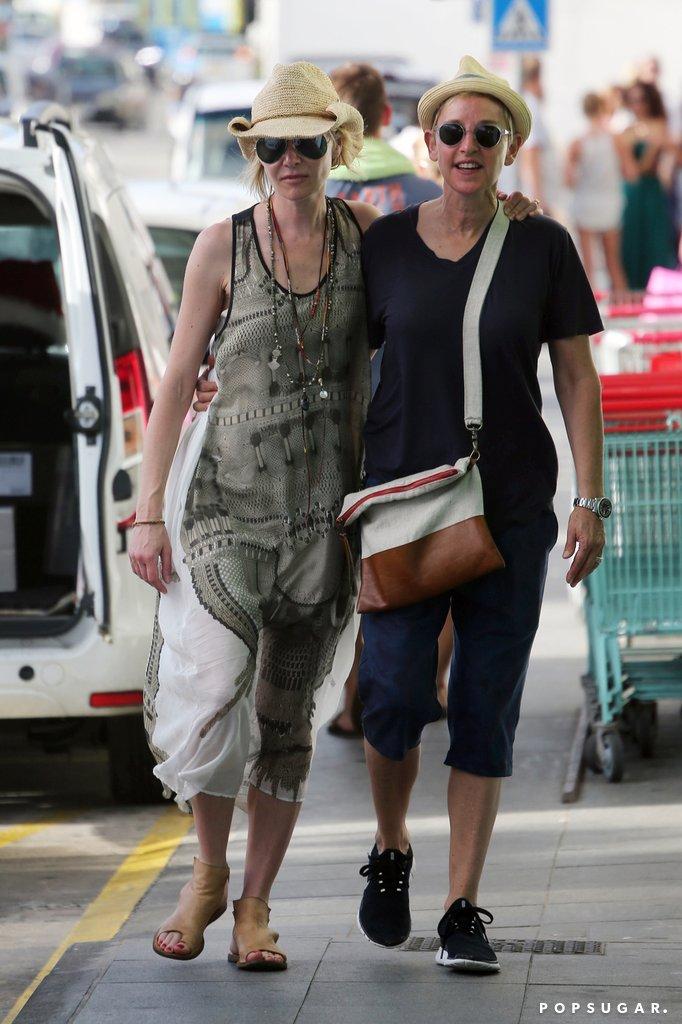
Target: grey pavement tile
(58, 997)
(594, 857)
(309, 871)
(623, 964)
(604, 874)
(669, 1002)
(355, 963)
(463, 1001)
(606, 911)
(642, 890)
(210, 1003)
(343, 885)
(335, 906)
(315, 926)
(644, 927)
(212, 966)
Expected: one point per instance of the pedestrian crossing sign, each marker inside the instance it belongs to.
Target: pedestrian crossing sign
(520, 24)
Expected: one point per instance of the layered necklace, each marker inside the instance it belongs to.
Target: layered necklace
(310, 375)
(305, 380)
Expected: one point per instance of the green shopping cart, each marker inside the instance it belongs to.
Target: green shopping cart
(634, 600)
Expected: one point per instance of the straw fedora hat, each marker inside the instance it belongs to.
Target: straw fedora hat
(473, 77)
(298, 101)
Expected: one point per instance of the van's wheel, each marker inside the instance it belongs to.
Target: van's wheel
(131, 762)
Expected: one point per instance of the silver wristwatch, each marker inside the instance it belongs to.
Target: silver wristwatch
(601, 507)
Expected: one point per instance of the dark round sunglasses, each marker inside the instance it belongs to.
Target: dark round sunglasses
(487, 135)
(272, 150)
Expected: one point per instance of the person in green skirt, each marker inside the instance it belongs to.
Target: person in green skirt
(647, 238)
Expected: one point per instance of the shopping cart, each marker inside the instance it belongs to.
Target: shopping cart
(633, 602)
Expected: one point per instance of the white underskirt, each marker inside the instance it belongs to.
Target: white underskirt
(199, 664)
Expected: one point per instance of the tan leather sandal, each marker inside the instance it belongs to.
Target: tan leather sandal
(252, 935)
(202, 901)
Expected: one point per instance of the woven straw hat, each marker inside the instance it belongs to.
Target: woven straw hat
(473, 77)
(298, 101)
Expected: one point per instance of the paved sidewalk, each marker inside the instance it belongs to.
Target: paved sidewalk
(604, 869)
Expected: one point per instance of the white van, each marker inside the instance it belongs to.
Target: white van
(86, 315)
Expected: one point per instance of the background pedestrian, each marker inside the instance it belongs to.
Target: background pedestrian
(594, 175)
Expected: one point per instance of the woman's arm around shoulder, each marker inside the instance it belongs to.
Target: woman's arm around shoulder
(364, 213)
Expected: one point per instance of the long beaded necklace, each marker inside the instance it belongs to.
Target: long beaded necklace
(329, 249)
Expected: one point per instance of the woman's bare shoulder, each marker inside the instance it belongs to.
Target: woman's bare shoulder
(212, 250)
(216, 238)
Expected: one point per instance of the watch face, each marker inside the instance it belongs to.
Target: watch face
(604, 508)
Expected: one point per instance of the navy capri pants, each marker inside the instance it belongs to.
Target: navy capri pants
(495, 618)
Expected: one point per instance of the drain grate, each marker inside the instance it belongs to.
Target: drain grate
(580, 947)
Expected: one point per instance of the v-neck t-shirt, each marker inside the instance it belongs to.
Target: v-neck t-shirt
(415, 302)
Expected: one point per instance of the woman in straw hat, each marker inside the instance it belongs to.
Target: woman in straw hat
(254, 633)
(418, 268)
(254, 625)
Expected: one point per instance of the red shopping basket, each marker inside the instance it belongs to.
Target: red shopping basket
(641, 402)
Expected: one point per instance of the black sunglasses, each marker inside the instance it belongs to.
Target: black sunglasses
(487, 135)
(272, 150)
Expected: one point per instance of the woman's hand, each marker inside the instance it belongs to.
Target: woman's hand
(206, 389)
(149, 545)
(586, 531)
(518, 207)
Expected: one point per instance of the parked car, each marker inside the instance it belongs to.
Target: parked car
(203, 147)
(86, 315)
(208, 57)
(175, 212)
(98, 83)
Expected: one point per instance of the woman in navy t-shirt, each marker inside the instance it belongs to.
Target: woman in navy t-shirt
(418, 267)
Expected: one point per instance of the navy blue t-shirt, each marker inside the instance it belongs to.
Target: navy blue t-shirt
(539, 293)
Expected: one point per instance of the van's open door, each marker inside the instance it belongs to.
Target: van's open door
(89, 359)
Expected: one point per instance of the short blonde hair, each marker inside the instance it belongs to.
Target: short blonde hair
(256, 179)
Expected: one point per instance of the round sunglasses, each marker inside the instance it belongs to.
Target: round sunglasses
(487, 135)
(272, 150)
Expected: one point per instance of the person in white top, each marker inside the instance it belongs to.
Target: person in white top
(537, 171)
(594, 175)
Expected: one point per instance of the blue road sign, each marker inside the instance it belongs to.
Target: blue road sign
(520, 25)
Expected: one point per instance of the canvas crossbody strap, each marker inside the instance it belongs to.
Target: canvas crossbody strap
(473, 385)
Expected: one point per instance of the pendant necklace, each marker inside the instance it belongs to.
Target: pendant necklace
(305, 381)
(328, 249)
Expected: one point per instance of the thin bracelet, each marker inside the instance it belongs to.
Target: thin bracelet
(149, 522)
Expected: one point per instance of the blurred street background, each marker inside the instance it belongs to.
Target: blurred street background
(125, 68)
(90, 858)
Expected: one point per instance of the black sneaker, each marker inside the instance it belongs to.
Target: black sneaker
(384, 914)
(464, 943)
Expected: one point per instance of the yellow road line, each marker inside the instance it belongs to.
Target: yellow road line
(15, 833)
(103, 918)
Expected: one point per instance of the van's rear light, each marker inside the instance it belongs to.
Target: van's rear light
(124, 524)
(135, 399)
(116, 699)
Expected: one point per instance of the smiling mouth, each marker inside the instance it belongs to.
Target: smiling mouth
(468, 165)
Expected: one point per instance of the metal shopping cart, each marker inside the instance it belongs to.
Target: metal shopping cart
(640, 337)
(633, 603)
